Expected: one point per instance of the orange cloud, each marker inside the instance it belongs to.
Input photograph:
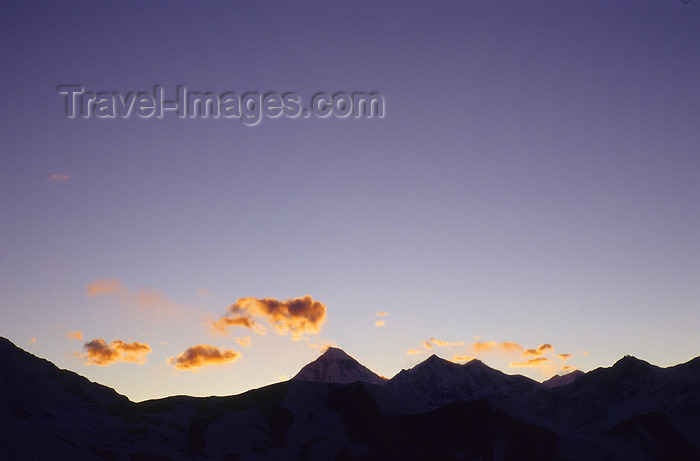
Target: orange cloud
(379, 323)
(75, 335)
(569, 368)
(59, 178)
(98, 352)
(224, 323)
(512, 347)
(492, 346)
(462, 358)
(296, 316)
(381, 314)
(202, 355)
(245, 341)
(539, 351)
(413, 351)
(437, 342)
(484, 347)
(536, 362)
(564, 356)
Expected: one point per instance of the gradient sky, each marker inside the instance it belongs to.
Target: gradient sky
(536, 180)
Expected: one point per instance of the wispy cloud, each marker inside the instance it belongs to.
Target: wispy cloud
(202, 355)
(144, 299)
(294, 316)
(77, 334)
(98, 352)
(413, 352)
(492, 346)
(58, 178)
(244, 341)
(564, 356)
(381, 314)
(536, 362)
(379, 323)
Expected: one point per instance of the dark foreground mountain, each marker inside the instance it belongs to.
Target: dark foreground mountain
(438, 410)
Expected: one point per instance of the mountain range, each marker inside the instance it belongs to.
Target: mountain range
(337, 409)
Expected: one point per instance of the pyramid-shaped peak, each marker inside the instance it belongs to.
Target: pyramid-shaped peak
(336, 366)
(434, 365)
(435, 360)
(630, 361)
(476, 363)
(335, 353)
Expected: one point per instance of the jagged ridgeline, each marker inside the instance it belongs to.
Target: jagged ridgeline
(335, 408)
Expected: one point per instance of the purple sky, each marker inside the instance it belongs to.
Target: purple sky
(536, 180)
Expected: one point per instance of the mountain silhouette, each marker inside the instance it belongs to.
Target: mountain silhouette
(335, 408)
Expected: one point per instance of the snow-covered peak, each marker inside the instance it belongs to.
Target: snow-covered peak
(334, 353)
(335, 366)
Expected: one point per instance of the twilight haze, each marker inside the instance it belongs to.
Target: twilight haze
(530, 197)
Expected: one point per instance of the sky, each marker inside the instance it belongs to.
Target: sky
(529, 196)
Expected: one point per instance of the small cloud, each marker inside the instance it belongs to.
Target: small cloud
(282, 377)
(583, 352)
(569, 368)
(492, 346)
(33, 341)
(58, 178)
(244, 341)
(564, 356)
(539, 351)
(202, 355)
(441, 343)
(381, 314)
(98, 352)
(536, 362)
(430, 343)
(294, 316)
(462, 358)
(77, 334)
(379, 323)
(413, 351)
